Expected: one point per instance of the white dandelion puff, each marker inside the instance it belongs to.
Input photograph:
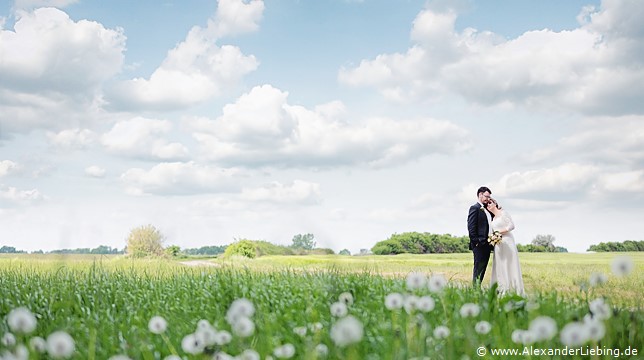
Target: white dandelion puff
(339, 309)
(172, 357)
(60, 345)
(192, 344)
(517, 336)
(317, 326)
(482, 327)
(394, 301)
(322, 349)
(220, 355)
(426, 304)
(347, 331)
(157, 325)
(38, 344)
(223, 337)
(21, 320)
(622, 265)
(346, 298)
(597, 279)
(8, 340)
(285, 351)
(243, 327)
(441, 332)
(204, 324)
(249, 354)
(208, 335)
(470, 310)
(595, 328)
(411, 302)
(416, 281)
(600, 309)
(574, 334)
(21, 353)
(238, 309)
(436, 283)
(532, 305)
(543, 327)
(300, 330)
(120, 357)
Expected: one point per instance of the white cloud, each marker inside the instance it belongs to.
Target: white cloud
(11, 196)
(95, 171)
(196, 69)
(72, 138)
(594, 69)
(236, 16)
(262, 129)
(7, 167)
(52, 68)
(299, 192)
(178, 178)
(143, 138)
(629, 182)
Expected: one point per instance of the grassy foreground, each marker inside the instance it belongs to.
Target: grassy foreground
(106, 304)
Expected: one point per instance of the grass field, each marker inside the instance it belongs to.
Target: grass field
(106, 304)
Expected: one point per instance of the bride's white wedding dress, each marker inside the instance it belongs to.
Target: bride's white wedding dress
(506, 270)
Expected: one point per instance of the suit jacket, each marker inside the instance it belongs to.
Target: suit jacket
(477, 225)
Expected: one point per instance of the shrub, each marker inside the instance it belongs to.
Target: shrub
(145, 241)
(244, 248)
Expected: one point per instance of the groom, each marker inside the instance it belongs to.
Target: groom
(479, 226)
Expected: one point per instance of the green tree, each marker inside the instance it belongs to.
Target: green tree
(173, 250)
(545, 241)
(244, 248)
(344, 252)
(303, 241)
(145, 241)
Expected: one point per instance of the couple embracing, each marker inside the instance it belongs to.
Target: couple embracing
(486, 220)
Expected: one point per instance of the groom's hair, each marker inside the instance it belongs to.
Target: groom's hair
(483, 189)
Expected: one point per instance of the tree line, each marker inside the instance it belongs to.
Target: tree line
(628, 245)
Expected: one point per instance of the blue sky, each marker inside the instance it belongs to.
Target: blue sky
(351, 120)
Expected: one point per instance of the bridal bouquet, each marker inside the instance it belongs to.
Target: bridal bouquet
(494, 238)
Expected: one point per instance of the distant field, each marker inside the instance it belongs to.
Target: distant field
(105, 304)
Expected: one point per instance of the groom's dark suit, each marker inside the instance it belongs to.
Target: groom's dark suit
(478, 227)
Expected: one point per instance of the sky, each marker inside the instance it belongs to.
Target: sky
(351, 120)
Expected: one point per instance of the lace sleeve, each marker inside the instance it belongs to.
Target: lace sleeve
(508, 221)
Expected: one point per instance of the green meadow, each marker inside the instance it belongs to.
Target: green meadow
(105, 303)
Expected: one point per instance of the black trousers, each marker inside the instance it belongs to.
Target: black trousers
(481, 259)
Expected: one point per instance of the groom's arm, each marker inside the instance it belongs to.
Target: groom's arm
(472, 224)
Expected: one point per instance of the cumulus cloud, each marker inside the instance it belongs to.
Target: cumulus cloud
(262, 129)
(197, 69)
(299, 192)
(143, 138)
(12, 197)
(72, 138)
(95, 171)
(177, 178)
(594, 69)
(52, 69)
(7, 167)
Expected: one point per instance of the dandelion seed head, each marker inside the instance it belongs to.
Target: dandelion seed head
(208, 335)
(426, 304)
(346, 298)
(249, 354)
(597, 279)
(300, 331)
(441, 332)
(543, 328)
(394, 301)
(8, 340)
(416, 281)
(238, 309)
(347, 331)
(600, 309)
(192, 344)
(574, 334)
(436, 283)
(411, 302)
(243, 327)
(322, 349)
(60, 345)
(38, 344)
(470, 310)
(223, 337)
(285, 351)
(517, 336)
(21, 321)
(622, 265)
(482, 327)
(339, 309)
(220, 355)
(157, 325)
(317, 326)
(204, 324)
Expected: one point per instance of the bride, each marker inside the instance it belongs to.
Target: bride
(506, 270)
